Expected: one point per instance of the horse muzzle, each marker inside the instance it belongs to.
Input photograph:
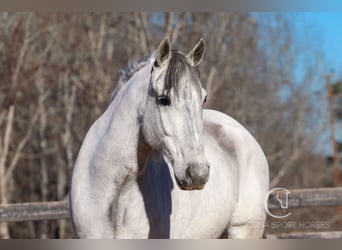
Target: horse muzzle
(196, 176)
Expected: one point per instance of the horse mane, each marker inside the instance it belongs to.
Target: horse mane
(128, 72)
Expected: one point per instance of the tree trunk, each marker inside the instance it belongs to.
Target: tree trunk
(4, 148)
(43, 144)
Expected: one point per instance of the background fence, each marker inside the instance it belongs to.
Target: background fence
(298, 198)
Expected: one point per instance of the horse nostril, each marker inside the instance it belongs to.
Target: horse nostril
(197, 173)
(188, 171)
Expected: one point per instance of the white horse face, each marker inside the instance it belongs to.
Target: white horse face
(172, 122)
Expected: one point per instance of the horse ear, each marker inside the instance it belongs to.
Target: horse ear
(164, 52)
(197, 53)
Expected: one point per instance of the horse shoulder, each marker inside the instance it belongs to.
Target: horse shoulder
(233, 137)
(227, 132)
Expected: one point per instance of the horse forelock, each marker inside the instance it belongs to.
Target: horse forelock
(179, 68)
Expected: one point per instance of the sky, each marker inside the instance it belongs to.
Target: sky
(325, 31)
(322, 30)
(328, 27)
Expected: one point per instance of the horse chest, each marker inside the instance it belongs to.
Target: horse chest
(154, 208)
(201, 214)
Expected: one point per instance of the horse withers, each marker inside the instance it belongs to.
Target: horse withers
(156, 165)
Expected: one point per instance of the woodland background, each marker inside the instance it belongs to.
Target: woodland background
(57, 72)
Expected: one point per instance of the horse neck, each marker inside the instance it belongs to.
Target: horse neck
(124, 115)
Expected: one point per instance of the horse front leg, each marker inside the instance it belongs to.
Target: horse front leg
(91, 200)
(247, 222)
(246, 230)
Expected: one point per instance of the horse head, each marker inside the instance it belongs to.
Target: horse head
(172, 121)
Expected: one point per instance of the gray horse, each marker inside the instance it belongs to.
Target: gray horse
(156, 165)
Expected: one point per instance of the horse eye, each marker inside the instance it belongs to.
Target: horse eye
(205, 99)
(164, 100)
